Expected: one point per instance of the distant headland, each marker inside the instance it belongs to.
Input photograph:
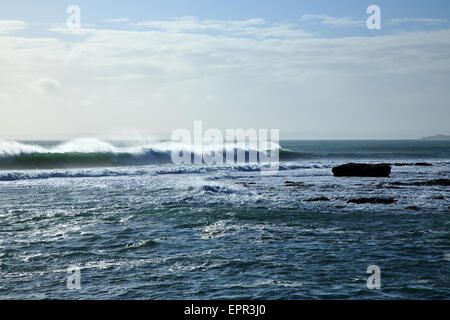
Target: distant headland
(437, 137)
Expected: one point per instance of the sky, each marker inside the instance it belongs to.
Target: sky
(142, 68)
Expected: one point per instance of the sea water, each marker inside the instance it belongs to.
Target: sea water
(139, 227)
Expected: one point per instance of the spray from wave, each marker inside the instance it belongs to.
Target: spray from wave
(79, 153)
(90, 152)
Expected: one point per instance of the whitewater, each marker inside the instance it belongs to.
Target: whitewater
(139, 226)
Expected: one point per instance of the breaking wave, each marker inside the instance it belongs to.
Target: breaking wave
(16, 176)
(89, 152)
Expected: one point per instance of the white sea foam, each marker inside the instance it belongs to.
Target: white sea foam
(92, 145)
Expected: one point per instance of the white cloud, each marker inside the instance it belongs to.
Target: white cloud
(185, 24)
(8, 26)
(117, 20)
(277, 30)
(328, 20)
(4, 96)
(285, 80)
(256, 27)
(430, 21)
(185, 98)
(154, 54)
(45, 85)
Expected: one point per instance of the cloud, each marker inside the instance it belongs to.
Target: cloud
(328, 20)
(117, 20)
(430, 21)
(8, 26)
(4, 96)
(177, 54)
(276, 30)
(271, 74)
(45, 85)
(185, 24)
(255, 27)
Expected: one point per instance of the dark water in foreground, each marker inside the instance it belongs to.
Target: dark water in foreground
(147, 229)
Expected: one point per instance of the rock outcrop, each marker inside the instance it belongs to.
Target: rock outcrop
(362, 170)
(423, 164)
(428, 183)
(317, 199)
(372, 200)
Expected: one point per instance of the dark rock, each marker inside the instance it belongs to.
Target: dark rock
(318, 199)
(245, 184)
(383, 185)
(362, 170)
(402, 164)
(412, 208)
(429, 183)
(372, 200)
(438, 198)
(294, 184)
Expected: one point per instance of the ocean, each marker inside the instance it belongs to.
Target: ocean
(139, 227)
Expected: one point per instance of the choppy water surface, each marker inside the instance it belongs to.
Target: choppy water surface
(140, 227)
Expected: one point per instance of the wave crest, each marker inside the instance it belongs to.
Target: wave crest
(90, 152)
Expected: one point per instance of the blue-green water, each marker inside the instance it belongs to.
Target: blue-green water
(140, 227)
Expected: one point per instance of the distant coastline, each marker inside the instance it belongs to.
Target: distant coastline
(437, 137)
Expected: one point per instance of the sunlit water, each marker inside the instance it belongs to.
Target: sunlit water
(161, 231)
